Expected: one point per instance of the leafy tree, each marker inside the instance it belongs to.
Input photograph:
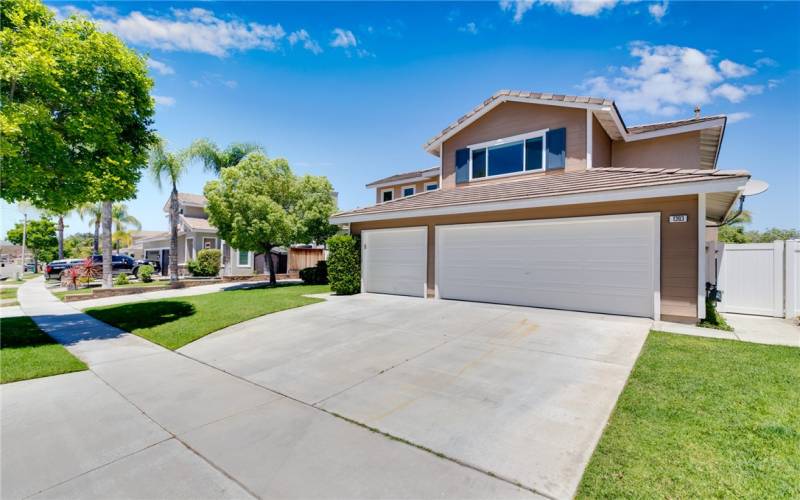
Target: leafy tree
(315, 207)
(736, 232)
(41, 238)
(122, 222)
(171, 167)
(94, 212)
(215, 159)
(256, 205)
(79, 245)
(76, 119)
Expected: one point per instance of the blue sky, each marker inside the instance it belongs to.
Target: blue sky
(352, 90)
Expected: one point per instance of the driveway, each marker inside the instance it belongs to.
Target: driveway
(516, 393)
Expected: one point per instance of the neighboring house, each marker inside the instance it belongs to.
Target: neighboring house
(407, 184)
(136, 250)
(552, 201)
(196, 233)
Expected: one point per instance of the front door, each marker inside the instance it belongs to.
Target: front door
(165, 262)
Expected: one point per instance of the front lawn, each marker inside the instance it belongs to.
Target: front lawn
(703, 418)
(8, 293)
(174, 323)
(27, 352)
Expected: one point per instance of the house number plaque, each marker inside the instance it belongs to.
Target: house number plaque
(678, 218)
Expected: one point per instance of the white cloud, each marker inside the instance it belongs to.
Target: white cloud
(213, 79)
(470, 28)
(737, 117)
(735, 93)
(343, 38)
(667, 79)
(160, 67)
(577, 7)
(163, 100)
(772, 83)
(766, 61)
(658, 10)
(731, 69)
(192, 30)
(308, 43)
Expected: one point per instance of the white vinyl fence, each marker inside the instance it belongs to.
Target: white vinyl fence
(758, 278)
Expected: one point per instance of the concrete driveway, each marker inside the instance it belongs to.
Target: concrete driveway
(513, 393)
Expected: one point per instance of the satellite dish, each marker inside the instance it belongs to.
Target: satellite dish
(754, 187)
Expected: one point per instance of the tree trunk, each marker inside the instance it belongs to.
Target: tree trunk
(60, 236)
(106, 221)
(173, 239)
(96, 236)
(270, 265)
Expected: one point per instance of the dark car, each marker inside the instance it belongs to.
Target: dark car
(53, 270)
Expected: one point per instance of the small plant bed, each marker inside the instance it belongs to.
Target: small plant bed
(27, 352)
(174, 323)
(714, 319)
(702, 418)
(87, 293)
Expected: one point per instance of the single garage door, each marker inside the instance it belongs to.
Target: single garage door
(395, 260)
(605, 264)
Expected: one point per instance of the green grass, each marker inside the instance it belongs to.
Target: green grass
(703, 418)
(88, 291)
(27, 352)
(8, 293)
(174, 323)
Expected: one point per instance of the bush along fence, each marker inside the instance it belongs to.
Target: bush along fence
(344, 264)
(316, 275)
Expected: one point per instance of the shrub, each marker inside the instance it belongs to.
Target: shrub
(146, 273)
(122, 279)
(71, 278)
(714, 319)
(206, 263)
(317, 275)
(344, 264)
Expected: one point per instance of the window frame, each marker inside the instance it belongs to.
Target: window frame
(186, 256)
(413, 189)
(431, 183)
(213, 244)
(239, 258)
(387, 190)
(507, 141)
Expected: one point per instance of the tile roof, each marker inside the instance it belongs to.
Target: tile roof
(405, 175)
(197, 223)
(639, 129)
(194, 199)
(546, 185)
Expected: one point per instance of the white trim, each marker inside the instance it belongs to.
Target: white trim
(412, 187)
(654, 217)
(249, 259)
(589, 138)
(685, 188)
(387, 190)
(425, 186)
(424, 175)
(186, 248)
(488, 145)
(701, 255)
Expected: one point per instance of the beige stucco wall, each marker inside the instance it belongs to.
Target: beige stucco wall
(601, 146)
(513, 118)
(678, 242)
(419, 187)
(671, 151)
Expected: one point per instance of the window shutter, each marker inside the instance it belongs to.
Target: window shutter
(556, 148)
(462, 166)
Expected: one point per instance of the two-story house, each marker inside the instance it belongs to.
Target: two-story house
(553, 201)
(196, 233)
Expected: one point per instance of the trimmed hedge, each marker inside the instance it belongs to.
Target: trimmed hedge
(206, 263)
(344, 264)
(317, 275)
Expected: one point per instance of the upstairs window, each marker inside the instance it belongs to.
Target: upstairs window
(408, 191)
(387, 195)
(431, 186)
(509, 156)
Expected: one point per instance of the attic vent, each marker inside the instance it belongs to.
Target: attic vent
(697, 111)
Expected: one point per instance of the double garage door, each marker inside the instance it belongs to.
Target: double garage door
(605, 264)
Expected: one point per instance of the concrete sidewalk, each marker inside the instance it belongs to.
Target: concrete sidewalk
(146, 422)
(756, 329)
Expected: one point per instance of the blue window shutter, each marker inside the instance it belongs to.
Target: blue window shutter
(462, 166)
(556, 148)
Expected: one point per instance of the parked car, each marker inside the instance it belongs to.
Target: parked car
(53, 270)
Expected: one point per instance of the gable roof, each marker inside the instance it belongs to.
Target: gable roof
(607, 115)
(405, 176)
(198, 224)
(563, 188)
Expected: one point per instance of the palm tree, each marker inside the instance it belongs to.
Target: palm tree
(170, 167)
(215, 159)
(122, 220)
(94, 212)
(59, 215)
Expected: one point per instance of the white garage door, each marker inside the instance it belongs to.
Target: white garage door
(606, 264)
(395, 260)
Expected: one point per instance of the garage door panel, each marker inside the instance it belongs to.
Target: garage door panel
(395, 261)
(597, 264)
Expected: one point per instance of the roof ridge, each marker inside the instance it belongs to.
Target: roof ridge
(698, 118)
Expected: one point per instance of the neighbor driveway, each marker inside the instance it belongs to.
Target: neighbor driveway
(517, 393)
